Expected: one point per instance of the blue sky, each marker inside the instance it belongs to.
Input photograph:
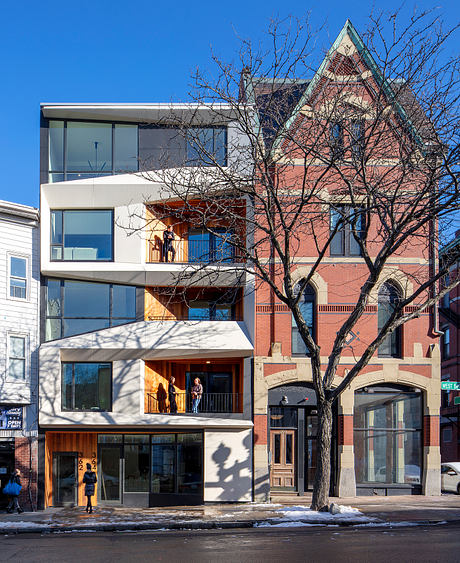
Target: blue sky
(129, 51)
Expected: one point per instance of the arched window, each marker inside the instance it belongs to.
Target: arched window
(388, 298)
(307, 307)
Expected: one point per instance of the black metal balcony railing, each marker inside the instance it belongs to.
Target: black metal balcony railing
(210, 403)
(195, 251)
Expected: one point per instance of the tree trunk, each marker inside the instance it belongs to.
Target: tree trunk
(320, 500)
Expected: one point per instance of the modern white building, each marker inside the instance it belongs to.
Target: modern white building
(111, 339)
(19, 338)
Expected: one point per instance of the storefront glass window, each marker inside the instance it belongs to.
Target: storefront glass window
(189, 460)
(137, 462)
(387, 436)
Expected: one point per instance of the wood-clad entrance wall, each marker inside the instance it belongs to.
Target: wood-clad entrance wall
(85, 444)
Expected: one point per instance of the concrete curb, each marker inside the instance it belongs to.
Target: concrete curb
(178, 526)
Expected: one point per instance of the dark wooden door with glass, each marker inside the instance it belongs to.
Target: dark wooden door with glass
(282, 466)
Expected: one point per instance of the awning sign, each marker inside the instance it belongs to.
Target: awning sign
(11, 418)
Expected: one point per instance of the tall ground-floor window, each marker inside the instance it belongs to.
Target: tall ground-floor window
(388, 436)
(160, 465)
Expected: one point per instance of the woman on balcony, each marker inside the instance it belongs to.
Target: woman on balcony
(168, 237)
(172, 395)
(197, 392)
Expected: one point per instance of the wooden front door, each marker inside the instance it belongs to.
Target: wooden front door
(282, 466)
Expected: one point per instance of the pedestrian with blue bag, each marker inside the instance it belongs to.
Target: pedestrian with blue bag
(12, 490)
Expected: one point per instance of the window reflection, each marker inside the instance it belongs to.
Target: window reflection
(82, 235)
(89, 147)
(75, 307)
(86, 386)
(387, 436)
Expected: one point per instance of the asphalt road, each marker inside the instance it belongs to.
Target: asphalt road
(401, 544)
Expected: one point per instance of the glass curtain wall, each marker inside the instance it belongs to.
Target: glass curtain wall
(82, 235)
(75, 307)
(387, 436)
(158, 463)
(79, 149)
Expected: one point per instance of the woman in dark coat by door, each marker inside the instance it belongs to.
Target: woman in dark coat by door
(89, 479)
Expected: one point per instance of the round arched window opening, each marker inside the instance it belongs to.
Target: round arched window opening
(388, 299)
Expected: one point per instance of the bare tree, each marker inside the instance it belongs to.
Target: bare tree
(365, 144)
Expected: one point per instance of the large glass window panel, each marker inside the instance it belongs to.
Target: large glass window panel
(56, 145)
(71, 327)
(199, 311)
(86, 299)
(90, 387)
(206, 146)
(125, 148)
(387, 437)
(163, 467)
(52, 329)
(67, 386)
(198, 246)
(53, 298)
(56, 227)
(189, 465)
(137, 463)
(220, 145)
(283, 417)
(223, 312)
(86, 306)
(123, 301)
(89, 146)
(88, 235)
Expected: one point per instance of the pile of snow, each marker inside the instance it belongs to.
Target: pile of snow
(303, 515)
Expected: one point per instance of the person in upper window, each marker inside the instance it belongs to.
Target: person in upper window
(168, 237)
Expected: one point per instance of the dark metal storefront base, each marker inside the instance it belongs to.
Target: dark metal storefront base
(384, 490)
(166, 499)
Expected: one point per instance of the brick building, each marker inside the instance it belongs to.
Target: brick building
(449, 318)
(386, 424)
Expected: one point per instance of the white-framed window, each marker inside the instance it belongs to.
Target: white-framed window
(17, 356)
(18, 276)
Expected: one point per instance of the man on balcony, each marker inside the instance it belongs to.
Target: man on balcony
(168, 237)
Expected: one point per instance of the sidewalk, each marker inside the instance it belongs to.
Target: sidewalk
(293, 511)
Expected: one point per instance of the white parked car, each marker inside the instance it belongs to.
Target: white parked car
(450, 477)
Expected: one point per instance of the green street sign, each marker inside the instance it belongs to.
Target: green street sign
(450, 386)
(456, 400)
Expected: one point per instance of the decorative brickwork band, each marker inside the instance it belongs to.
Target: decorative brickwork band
(345, 430)
(431, 430)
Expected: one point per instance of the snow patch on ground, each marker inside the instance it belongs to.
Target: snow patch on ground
(283, 525)
(304, 513)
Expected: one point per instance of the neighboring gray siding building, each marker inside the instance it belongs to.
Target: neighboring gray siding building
(19, 340)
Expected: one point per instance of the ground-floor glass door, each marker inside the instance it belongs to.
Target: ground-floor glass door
(65, 482)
